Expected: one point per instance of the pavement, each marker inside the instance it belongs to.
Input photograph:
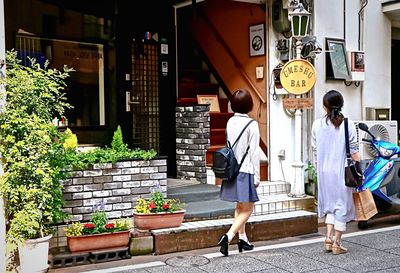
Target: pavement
(376, 249)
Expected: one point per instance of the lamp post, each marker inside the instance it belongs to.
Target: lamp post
(299, 22)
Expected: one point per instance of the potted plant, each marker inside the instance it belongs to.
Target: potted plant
(118, 151)
(99, 233)
(312, 186)
(32, 157)
(158, 212)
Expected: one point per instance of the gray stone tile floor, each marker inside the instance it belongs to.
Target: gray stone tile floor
(369, 252)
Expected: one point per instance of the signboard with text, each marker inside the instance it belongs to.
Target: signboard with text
(298, 103)
(298, 76)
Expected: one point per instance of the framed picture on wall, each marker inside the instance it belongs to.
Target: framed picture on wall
(337, 66)
(257, 40)
(212, 100)
(357, 61)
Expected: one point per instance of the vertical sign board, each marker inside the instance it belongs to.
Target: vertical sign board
(2, 72)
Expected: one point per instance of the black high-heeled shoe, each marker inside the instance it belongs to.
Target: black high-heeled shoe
(224, 243)
(243, 245)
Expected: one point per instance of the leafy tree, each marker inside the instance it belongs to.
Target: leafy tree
(31, 148)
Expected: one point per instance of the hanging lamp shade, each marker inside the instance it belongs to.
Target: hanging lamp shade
(300, 22)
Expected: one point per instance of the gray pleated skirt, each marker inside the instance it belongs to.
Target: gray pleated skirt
(241, 189)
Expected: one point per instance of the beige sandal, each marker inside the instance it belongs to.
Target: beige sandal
(338, 249)
(328, 244)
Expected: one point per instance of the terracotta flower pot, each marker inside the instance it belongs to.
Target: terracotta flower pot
(98, 241)
(148, 221)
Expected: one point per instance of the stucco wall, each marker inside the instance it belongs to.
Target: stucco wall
(375, 91)
(231, 19)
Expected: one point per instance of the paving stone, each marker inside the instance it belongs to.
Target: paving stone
(236, 264)
(187, 261)
(173, 269)
(358, 259)
(377, 241)
(389, 270)
(289, 261)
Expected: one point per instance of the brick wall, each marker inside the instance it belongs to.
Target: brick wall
(117, 186)
(192, 141)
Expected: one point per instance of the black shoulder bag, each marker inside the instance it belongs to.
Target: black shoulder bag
(225, 165)
(352, 172)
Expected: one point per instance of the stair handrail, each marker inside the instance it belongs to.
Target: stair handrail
(230, 53)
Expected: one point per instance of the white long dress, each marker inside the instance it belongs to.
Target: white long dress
(329, 149)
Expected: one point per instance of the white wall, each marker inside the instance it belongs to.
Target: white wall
(375, 91)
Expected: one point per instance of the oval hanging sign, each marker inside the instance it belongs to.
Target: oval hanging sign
(298, 76)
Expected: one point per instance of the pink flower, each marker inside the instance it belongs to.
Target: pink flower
(165, 206)
(109, 225)
(89, 226)
(152, 205)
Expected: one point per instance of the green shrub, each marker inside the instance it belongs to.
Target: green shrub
(31, 148)
(118, 151)
(117, 143)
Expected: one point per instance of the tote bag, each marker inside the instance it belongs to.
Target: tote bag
(364, 204)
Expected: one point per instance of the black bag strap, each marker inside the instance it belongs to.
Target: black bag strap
(241, 133)
(346, 134)
(248, 147)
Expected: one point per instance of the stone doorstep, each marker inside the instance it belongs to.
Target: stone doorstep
(204, 234)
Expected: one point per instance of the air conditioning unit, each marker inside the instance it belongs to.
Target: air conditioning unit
(382, 129)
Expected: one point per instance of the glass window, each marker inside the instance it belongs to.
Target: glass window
(85, 87)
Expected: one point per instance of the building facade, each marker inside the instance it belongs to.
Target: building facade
(132, 72)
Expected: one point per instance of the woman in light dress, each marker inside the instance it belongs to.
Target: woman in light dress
(335, 200)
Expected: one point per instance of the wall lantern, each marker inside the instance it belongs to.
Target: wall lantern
(300, 22)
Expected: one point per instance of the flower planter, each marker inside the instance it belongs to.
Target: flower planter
(33, 255)
(98, 241)
(148, 221)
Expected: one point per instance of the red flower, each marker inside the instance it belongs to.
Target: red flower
(89, 226)
(152, 205)
(109, 225)
(165, 206)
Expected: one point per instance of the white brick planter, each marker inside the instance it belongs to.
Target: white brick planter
(117, 186)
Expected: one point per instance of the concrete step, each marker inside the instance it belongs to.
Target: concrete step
(194, 193)
(203, 234)
(277, 203)
(211, 209)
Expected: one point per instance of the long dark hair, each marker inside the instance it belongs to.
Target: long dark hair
(333, 102)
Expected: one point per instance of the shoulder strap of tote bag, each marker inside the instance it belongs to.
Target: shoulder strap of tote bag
(346, 134)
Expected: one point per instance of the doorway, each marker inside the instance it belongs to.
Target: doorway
(395, 86)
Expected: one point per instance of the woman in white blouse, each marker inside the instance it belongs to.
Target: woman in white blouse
(242, 189)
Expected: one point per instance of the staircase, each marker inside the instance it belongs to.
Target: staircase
(195, 79)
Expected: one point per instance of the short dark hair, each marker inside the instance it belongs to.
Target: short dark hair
(241, 101)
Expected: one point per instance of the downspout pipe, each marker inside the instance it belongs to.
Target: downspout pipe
(359, 22)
